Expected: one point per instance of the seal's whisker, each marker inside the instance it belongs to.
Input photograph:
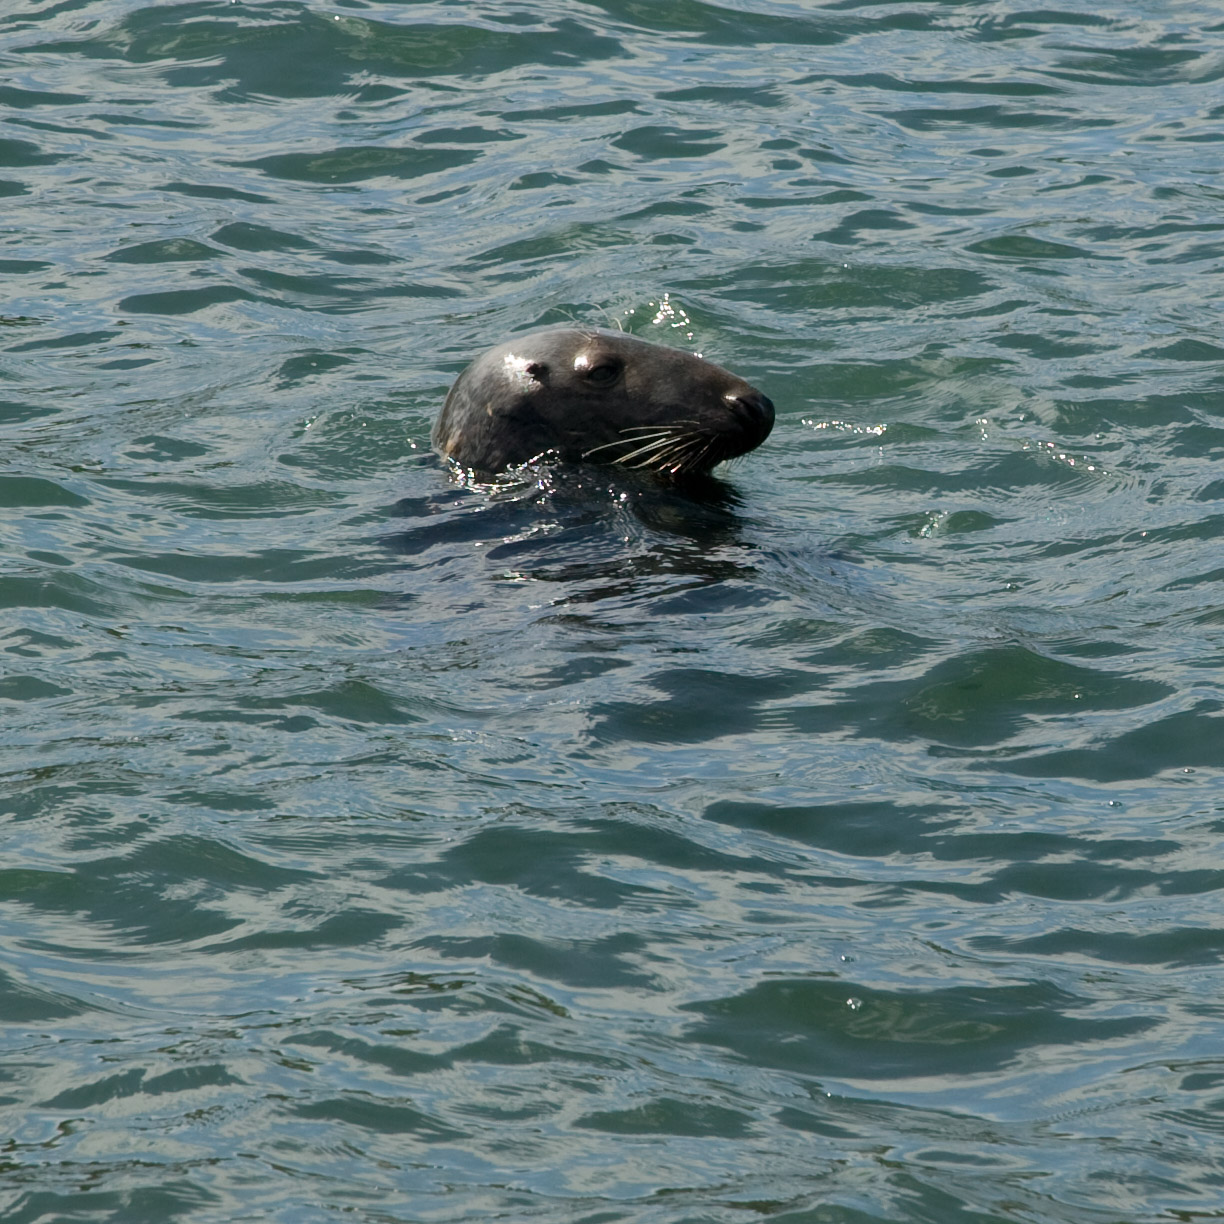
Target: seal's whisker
(667, 447)
(648, 449)
(701, 458)
(691, 457)
(659, 454)
(687, 462)
(693, 443)
(645, 438)
(649, 453)
(662, 424)
(586, 454)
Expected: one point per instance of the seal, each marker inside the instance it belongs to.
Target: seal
(588, 395)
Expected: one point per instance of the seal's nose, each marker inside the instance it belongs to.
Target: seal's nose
(755, 409)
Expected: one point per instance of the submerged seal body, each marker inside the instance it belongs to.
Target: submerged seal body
(586, 395)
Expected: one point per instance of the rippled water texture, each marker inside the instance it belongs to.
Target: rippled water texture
(837, 843)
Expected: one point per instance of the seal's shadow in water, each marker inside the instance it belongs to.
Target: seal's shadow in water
(607, 531)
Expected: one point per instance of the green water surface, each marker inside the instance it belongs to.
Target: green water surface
(837, 844)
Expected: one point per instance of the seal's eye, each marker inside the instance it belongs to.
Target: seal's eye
(604, 374)
(538, 370)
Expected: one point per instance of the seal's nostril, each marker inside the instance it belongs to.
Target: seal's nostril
(755, 405)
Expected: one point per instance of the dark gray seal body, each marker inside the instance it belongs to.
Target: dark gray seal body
(586, 395)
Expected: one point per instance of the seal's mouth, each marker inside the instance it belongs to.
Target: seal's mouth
(683, 447)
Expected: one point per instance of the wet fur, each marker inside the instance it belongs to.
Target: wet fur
(588, 395)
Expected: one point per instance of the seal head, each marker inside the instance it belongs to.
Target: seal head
(594, 396)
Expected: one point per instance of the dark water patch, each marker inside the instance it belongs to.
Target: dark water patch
(1143, 67)
(383, 1118)
(584, 110)
(877, 80)
(184, 301)
(1026, 247)
(553, 512)
(214, 191)
(29, 643)
(866, 220)
(172, 1199)
(711, 23)
(336, 289)
(695, 706)
(508, 853)
(29, 688)
(667, 1116)
(1044, 17)
(466, 135)
(730, 95)
(312, 365)
(870, 829)
(223, 799)
(356, 164)
(137, 1082)
(70, 341)
(1169, 744)
(70, 592)
(1187, 350)
(162, 449)
(390, 1056)
(234, 51)
(310, 929)
(245, 236)
(170, 250)
(661, 143)
(34, 491)
(991, 696)
(815, 1028)
(21, 1004)
(128, 892)
(264, 500)
(27, 99)
(73, 792)
(1016, 848)
(348, 701)
(272, 565)
(811, 281)
(1172, 949)
(926, 119)
(603, 963)
(548, 245)
(1067, 881)
(1047, 347)
(837, 196)
(19, 153)
(1011, 471)
(1184, 408)
(366, 259)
